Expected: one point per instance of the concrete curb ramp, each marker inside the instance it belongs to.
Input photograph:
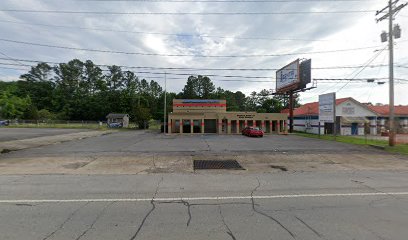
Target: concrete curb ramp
(47, 140)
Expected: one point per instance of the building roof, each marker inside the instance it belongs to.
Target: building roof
(384, 110)
(117, 115)
(312, 109)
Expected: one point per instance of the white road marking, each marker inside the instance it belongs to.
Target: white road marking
(362, 194)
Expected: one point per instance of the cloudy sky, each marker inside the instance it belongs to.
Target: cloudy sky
(333, 33)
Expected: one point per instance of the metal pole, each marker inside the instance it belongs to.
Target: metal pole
(291, 112)
(391, 140)
(334, 117)
(165, 103)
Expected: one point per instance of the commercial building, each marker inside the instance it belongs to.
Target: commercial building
(211, 116)
(352, 117)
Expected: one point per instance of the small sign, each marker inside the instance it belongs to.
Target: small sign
(327, 107)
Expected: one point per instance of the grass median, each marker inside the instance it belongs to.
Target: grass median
(399, 148)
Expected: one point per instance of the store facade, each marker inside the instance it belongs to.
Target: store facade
(201, 116)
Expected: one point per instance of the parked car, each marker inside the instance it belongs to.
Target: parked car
(4, 122)
(253, 132)
(115, 125)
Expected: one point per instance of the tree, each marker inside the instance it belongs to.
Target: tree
(198, 87)
(12, 106)
(142, 116)
(38, 85)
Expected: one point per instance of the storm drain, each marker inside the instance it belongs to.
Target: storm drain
(217, 164)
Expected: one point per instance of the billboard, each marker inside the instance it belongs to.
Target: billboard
(327, 107)
(305, 73)
(287, 78)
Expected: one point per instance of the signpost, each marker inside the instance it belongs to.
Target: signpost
(327, 110)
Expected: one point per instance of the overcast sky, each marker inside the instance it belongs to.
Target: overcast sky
(204, 37)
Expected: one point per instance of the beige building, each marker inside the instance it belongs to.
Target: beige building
(211, 116)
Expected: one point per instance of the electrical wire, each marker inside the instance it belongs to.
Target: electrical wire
(202, 69)
(222, 1)
(186, 55)
(185, 13)
(166, 34)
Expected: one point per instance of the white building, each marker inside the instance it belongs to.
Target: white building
(353, 118)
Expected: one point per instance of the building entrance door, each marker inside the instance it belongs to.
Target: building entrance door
(354, 129)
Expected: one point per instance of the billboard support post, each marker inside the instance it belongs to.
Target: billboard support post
(291, 111)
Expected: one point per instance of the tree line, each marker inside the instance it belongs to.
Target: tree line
(79, 90)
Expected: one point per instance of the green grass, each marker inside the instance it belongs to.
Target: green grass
(400, 148)
(60, 125)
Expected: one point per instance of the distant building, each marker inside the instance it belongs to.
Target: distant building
(353, 118)
(211, 116)
(123, 119)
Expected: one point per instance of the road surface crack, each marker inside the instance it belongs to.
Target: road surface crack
(266, 215)
(100, 214)
(185, 203)
(149, 212)
(229, 232)
(375, 190)
(312, 229)
(65, 221)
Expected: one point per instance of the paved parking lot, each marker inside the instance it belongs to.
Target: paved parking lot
(11, 134)
(140, 152)
(147, 142)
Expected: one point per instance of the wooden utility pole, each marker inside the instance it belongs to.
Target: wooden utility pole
(390, 15)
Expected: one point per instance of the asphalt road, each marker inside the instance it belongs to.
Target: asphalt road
(10, 134)
(346, 205)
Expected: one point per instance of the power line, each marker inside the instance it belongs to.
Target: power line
(355, 73)
(185, 13)
(362, 69)
(166, 34)
(222, 1)
(185, 55)
(197, 69)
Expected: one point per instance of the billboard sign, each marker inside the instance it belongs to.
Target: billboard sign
(305, 72)
(287, 78)
(327, 107)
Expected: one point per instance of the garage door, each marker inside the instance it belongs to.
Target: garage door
(210, 125)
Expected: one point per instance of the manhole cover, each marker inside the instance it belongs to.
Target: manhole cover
(217, 164)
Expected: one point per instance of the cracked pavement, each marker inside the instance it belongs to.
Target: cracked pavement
(139, 185)
(205, 206)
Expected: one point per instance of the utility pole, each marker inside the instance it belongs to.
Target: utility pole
(165, 103)
(390, 15)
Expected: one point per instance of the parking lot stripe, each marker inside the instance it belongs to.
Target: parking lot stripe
(219, 198)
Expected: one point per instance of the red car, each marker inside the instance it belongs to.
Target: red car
(253, 131)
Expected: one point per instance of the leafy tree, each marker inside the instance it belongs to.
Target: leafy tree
(44, 114)
(38, 84)
(12, 106)
(142, 116)
(198, 87)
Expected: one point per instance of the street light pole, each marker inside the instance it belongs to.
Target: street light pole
(165, 103)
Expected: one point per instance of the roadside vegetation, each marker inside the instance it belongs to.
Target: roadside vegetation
(399, 148)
